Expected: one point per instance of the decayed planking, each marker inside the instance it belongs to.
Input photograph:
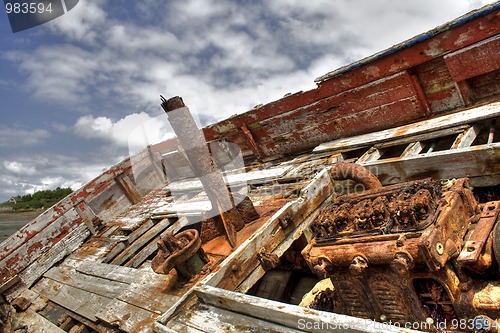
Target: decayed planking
(23, 248)
(335, 126)
(476, 161)
(127, 317)
(63, 248)
(35, 323)
(472, 115)
(82, 302)
(288, 315)
(92, 284)
(233, 179)
(32, 249)
(211, 319)
(466, 138)
(101, 291)
(474, 60)
(140, 256)
(146, 237)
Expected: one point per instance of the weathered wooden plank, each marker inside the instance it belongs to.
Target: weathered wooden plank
(374, 94)
(291, 316)
(63, 248)
(36, 246)
(106, 271)
(88, 216)
(139, 230)
(32, 229)
(422, 137)
(474, 60)
(466, 138)
(439, 88)
(471, 115)
(131, 220)
(413, 149)
(475, 161)
(127, 317)
(344, 116)
(109, 231)
(36, 323)
(92, 284)
(114, 251)
(183, 208)
(55, 313)
(117, 273)
(129, 188)
(95, 249)
(268, 174)
(10, 283)
(485, 86)
(151, 295)
(149, 249)
(211, 319)
(139, 258)
(484, 181)
(141, 290)
(371, 154)
(110, 203)
(53, 219)
(175, 328)
(77, 300)
(140, 242)
(449, 37)
(145, 252)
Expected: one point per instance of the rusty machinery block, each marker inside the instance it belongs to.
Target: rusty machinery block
(416, 252)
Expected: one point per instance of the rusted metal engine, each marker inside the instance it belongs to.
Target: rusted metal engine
(417, 252)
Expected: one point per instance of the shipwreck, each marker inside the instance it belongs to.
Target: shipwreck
(367, 204)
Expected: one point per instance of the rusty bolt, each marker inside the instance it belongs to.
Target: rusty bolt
(358, 265)
(402, 263)
(320, 269)
(285, 221)
(439, 248)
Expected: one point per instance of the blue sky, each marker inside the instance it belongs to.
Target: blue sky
(73, 90)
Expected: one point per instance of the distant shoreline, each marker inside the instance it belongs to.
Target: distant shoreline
(8, 210)
(11, 221)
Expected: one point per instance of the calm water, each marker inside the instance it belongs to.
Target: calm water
(10, 223)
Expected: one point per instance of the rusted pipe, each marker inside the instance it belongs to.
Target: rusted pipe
(352, 171)
(193, 142)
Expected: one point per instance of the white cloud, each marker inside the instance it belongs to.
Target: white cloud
(26, 173)
(132, 37)
(82, 23)
(15, 138)
(48, 183)
(61, 73)
(19, 168)
(134, 131)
